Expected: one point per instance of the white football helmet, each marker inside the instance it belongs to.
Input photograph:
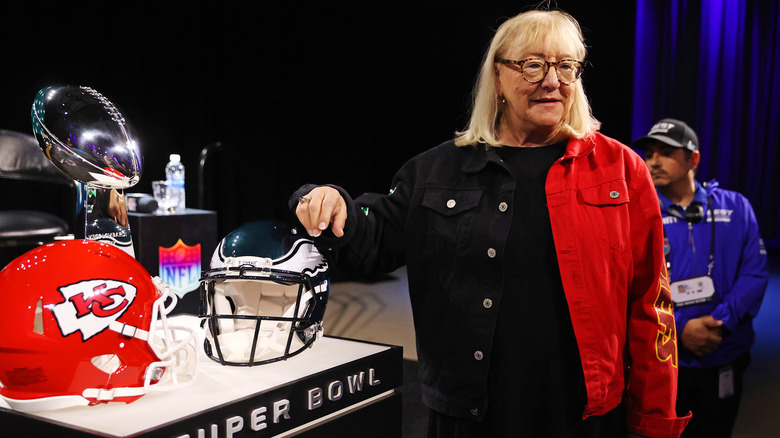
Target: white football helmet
(264, 297)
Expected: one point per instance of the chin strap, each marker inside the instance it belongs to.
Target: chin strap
(45, 404)
(102, 395)
(129, 331)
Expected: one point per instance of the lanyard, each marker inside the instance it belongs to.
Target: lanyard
(711, 260)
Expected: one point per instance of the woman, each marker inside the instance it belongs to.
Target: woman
(533, 247)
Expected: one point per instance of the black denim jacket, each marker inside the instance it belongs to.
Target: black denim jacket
(447, 218)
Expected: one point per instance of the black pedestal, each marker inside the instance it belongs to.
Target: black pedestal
(177, 247)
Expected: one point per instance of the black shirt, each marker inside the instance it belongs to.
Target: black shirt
(535, 372)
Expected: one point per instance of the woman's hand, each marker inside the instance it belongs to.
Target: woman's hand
(117, 208)
(322, 207)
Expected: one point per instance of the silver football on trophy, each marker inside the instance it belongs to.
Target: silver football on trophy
(86, 137)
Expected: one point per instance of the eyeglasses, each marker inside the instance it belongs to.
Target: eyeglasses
(534, 70)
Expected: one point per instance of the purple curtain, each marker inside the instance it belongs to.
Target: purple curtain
(716, 65)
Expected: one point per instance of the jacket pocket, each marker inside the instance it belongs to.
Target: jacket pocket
(606, 212)
(451, 216)
(449, 202)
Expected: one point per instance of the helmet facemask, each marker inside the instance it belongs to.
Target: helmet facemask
(175, 345)
(255, 314)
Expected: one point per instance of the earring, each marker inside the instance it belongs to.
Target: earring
(503, 100)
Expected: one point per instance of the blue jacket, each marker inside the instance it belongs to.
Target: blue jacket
(739, 273)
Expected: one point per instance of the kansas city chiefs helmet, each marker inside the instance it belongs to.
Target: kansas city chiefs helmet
(84, 323)
(264, 296)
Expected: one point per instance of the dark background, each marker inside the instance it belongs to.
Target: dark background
(320, 92)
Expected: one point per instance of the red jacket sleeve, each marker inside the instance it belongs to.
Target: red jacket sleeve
(652, 337)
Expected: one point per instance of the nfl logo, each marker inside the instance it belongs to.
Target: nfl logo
(180, 267)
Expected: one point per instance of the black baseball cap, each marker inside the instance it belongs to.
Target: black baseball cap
(672, 132)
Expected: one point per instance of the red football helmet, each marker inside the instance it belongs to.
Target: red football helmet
(84, 323)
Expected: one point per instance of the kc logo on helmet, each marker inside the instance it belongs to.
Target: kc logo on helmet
(91, 305)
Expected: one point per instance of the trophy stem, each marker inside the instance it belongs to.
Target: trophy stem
(105, 218)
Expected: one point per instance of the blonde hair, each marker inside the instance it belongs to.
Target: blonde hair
(522, 32)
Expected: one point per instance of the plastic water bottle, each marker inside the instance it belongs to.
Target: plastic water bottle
(174, 174)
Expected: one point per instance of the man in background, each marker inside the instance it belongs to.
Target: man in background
(718, 273)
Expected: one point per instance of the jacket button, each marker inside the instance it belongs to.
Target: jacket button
(614, 194)
(474, 412)
(491, 252)
(502, 207)
(487, 302)
(478, 355)
(451, 203)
